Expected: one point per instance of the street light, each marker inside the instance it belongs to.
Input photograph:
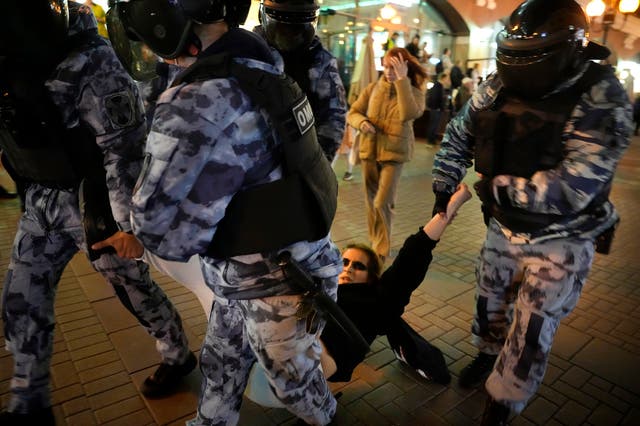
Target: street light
(608, 10)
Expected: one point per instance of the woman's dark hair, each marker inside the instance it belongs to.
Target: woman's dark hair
(416, 72)
(375, 265)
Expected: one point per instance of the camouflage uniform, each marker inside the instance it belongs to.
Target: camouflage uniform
(207, 142)
(95, 91)
(324, 89)
(328, 100)
(533, 280)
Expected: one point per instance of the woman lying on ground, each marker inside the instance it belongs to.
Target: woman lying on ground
(374, 302)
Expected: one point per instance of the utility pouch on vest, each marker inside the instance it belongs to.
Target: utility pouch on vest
(486, 148)
(302, 204)
(518, 138)
(33, 136)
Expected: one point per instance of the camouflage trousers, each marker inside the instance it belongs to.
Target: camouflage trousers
(49, 235)
(523, 292)
(268, 331)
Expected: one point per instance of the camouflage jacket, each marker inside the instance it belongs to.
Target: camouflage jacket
(93, 90)
(595, 137)
(329, 101)
(325, 92)
(208, 141)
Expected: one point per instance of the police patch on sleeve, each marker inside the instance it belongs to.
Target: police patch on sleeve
(120, 109)
(303, 115)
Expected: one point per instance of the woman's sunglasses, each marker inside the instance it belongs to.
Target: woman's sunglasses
(358, 266)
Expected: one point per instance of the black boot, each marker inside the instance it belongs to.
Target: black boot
(6, 195)
(495, 414)
(477, 370)
(43, 417)
(167, 378)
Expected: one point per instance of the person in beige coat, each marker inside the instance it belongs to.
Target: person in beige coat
(384, 114)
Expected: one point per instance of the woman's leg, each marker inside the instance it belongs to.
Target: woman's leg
(383, 206)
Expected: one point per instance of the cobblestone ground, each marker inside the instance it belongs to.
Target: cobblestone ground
(101, 355)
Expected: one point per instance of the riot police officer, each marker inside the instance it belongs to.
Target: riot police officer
(545, 133)
(234, 173)
(71, 118)
(289, 26)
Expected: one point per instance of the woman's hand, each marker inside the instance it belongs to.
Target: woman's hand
(400, 67)
(367, 127)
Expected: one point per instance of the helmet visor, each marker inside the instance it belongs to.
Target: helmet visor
(520, 43)
(136, 57)
(161, 25)
(288, 31)
(538, 72)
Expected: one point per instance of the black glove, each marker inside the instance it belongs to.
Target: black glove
(484, 191)
(440, 206)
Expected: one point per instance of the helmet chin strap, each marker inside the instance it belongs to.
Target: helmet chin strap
(193, 50)
(193, 47)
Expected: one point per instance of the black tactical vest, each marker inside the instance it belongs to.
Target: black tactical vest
(517, 137)
(34, 140)
(300, 206)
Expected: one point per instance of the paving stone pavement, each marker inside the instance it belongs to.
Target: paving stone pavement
(101, 355)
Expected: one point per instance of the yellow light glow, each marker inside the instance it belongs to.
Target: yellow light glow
(396, 20)
(387, 12)
(416, 20)
(595, 8)
(628, 6)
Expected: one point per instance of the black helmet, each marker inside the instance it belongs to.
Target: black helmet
(166, 25)
(139, 61)
(289, 24)
(33, 29)
(543, 44)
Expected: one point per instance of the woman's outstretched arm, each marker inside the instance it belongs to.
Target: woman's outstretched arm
(438, 223)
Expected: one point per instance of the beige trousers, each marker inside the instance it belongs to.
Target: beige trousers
(380, 183)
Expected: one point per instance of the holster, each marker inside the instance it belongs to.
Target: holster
(323, 304)
(97, 217)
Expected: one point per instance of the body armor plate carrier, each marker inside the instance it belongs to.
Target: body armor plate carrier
(34, 140)
(300, 206)
(517, 137)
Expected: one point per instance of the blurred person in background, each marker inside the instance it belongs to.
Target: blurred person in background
(439, 105)
(101, 18)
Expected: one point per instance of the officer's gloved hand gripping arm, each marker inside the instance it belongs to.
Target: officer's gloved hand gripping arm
(451, 161)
